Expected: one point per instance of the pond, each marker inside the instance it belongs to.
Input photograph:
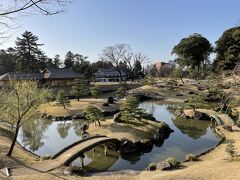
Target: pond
(190, 136)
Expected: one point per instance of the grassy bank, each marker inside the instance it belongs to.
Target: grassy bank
(75, 107)
(20, 156)
(134, 130)
(175, 95)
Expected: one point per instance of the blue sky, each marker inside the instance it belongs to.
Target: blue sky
(149, 26)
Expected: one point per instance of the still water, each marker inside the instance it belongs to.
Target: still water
(190, 136)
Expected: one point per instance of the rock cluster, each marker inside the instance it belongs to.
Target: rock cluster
(129, 147)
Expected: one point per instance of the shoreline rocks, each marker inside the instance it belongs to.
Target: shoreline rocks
(189, 114)
(129, 147)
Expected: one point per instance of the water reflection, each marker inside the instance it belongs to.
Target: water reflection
(33, 134)
(43, 136)
(63, 128)
(191, 127)
(97, 161)
(77, 127)
(190, 136)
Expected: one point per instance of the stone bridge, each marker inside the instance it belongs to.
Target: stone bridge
(218, 117)
(68, 154)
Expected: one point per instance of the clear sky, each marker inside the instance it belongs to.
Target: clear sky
(149, 26)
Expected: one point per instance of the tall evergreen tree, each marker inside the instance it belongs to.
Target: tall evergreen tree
(56, 61)
(69, 60)
(82, 66)
(30, 57)
(228, 49)
(7, 60)
(138, 70)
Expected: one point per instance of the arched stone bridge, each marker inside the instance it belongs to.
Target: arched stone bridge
(70, 153)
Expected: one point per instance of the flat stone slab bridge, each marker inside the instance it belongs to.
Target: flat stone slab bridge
(67, 155)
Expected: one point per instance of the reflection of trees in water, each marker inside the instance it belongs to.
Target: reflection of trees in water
(63, 128)
(99, 162)
(32, 133)
(77, 124)
(148, 106)
(133, 158)
(172, 108)
(192, 127)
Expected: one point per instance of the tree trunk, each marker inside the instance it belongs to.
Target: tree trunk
(99, 124)
(14, 140)
(120, 73)
(238, 121)
(64, 105)
(194, 111)
(182, 80)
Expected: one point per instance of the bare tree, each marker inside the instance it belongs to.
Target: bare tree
(115, 54)
(122, 53)
(12, 10)
(131, 59)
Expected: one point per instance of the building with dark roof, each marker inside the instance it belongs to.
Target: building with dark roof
(109, 75)
(59, 76)
(50, 76)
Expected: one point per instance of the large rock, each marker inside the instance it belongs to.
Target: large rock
(80, 115)
(190, 114)
(163, 165)
(127, 147)
(117, 117)
(148, 117)
(84, 127)
(201, 116)
(164, 130)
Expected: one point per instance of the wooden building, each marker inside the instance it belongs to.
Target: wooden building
(109, 75)
(51, 77)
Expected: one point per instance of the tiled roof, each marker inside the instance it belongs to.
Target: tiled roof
(108, 72)
(21, 76)
(59, 73)
(48, 73)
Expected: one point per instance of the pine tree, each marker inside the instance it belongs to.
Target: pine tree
(56, 61)
(128, 109)
(30, 57)
(120, 93)
(62, 99)
(195, 101)
(69, 60)
(80, 88)
(138, 70)
(95, 90)
(94, 114)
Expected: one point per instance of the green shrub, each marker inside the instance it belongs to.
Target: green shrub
(190, 157)
(173, 162)
(152, 166)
